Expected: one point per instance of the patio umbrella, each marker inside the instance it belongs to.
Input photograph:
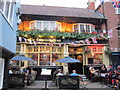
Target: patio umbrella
(67, 60)
(21, 58)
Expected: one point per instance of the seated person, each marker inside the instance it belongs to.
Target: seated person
(93, 72)
(17, 71)
(10, 71)
(103, 69)
(59, 73)
(74, 73)
(25, 71)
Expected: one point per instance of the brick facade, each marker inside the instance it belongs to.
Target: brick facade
(112, 22)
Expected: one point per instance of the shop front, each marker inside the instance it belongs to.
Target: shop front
(45, 56)
(95, 55)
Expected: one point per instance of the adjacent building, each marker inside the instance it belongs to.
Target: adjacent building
(9, 12)
(110, 10)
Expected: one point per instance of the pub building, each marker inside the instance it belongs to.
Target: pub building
(49, 33)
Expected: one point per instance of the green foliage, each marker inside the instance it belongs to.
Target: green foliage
(109, 52)
(47, 34)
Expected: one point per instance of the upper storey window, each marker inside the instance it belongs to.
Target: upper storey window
(43, 25)
(81, 27)
(7, 7)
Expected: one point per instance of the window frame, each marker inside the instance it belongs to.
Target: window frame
(42, 25)
(84, 27)
(9, 17)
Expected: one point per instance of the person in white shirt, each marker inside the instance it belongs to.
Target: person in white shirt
(59, 73)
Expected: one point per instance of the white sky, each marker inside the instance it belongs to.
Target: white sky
(63, 3)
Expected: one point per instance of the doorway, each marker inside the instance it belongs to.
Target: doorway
(76, 66)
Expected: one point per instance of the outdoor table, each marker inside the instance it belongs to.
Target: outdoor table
(103, 79)
(103, 74)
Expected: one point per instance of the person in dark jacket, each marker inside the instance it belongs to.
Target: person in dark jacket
(103, 69)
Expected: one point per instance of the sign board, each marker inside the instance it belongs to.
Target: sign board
(46, 72)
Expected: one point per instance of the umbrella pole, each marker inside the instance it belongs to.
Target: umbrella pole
(65, 68)
(20, 63)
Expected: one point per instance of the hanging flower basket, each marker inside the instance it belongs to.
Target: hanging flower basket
(87, 51)
(109, 52)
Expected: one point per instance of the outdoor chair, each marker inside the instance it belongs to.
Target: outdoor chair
(31, 77)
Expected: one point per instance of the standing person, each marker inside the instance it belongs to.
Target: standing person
(74, 73)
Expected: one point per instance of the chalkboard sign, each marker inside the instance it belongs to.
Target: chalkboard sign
(68, 82)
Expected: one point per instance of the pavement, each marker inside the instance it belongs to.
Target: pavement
(87, 85)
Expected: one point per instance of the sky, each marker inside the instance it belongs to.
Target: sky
(63, 3)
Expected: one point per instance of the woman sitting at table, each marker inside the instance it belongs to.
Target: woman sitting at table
(74, 73)
(103, 69)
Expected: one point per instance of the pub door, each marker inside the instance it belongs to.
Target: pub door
(76, 66)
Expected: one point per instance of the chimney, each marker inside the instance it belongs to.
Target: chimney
(91, 5)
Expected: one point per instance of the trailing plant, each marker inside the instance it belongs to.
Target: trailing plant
(56, 34)
(109, 52)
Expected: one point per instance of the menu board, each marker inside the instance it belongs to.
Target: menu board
(46, 72)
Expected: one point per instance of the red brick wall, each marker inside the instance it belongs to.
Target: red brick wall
(91, 6)
(112, 22)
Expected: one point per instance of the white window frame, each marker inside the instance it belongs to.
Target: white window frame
(90, 26)
(1, 72)
(42, 24)
(9, 12)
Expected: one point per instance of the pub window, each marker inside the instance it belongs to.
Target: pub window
(32, 25)
(36, 49)
(82, 29)
(41, 48)
(54, 49)
(76, 28)
(30, 49)
(59, 49)
(43, 25)
(44, 59)
(99, 49)
(47, 49)
(51, 25)
(94, 49)
(38, 25)
(87, 28)
(34, 57)
(18, 48)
